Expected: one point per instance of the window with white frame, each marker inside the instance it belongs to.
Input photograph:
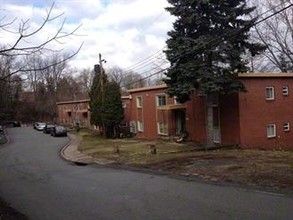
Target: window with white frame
(139, 102)
(176, 102)
(270, 93)
(285, 90)
(140, 126)
(271, 130)
(286, 126)
(162, 128)
(161, 100)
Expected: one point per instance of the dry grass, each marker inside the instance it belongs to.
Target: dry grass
(256, 167)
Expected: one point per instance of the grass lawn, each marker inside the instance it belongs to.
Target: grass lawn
(251, 167)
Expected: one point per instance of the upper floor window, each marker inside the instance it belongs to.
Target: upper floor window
(285, 90)
(139, 102)
(271, 130)
(286, 126)
(270, 93)
(161, 100)
(176, 102)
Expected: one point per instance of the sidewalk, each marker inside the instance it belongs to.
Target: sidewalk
(71, 153)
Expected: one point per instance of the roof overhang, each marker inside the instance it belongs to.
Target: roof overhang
(172, 107)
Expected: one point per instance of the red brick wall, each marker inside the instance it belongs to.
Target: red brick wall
(195, 119)
(229, 119)
(78, 112)
(256, 112)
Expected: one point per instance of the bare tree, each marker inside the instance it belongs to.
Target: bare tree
(277, 34)
(85, 79)
(25, 45)
(126, 79)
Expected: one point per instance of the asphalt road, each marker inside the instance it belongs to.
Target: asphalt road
(35, 180)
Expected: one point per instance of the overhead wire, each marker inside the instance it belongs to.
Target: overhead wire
(221, 37)
(149, 59)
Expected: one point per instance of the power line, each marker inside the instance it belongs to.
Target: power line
(160, 71)
(221, 40)
(149, 59)
(144, 60)
(275, 13)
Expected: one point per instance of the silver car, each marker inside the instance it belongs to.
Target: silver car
(40, 126)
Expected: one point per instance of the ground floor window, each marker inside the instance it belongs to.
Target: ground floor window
(140, 126)
(162, 128)
(271, 130)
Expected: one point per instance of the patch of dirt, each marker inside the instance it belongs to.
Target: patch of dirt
(259, 170)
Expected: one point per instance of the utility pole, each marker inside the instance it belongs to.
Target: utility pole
(101, 76)
(102, 89)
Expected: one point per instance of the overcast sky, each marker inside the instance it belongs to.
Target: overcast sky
(123, 31)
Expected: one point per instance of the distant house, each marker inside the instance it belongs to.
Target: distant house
(74, 112)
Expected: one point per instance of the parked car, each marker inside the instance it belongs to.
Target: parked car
(40, 126)
(48, 129)
(35, 125)
(1, 129)
(58, 130)
(9, 124)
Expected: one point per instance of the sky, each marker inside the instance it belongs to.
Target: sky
(125, 32)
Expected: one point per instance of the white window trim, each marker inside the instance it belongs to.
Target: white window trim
(157, 99)
(164, 132)
(140, 126)
(286, 126)
(273, 93)
(138, 104)
(285, 90)
(274, 130)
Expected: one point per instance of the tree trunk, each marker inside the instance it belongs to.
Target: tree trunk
(209, 121)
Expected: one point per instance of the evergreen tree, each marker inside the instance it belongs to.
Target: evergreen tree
(113, 112)
(205, 49)
(96, 100)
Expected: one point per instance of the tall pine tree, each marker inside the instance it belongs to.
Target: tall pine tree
(113, 113)
(105, 104)
(96, 105)
(205, 49)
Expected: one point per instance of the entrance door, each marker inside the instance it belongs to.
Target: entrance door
(216, 125)
(180, 123)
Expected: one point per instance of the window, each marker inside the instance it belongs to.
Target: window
(132, 127)
(286, 126)
(123, 124)
(161, 100)
(123, 105)
(176, 102)
(271, 130)
(162, 128)
(270, 93)
(139, 102)
(285, 90)
(140, 126)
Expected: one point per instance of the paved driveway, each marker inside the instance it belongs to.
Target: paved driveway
(40, 184)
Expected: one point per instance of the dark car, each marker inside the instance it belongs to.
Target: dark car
(9, 124)
(48, 129)
(58, 130)
(1, 129)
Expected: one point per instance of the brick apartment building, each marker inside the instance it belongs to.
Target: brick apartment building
(259, 118)
(74, 112)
